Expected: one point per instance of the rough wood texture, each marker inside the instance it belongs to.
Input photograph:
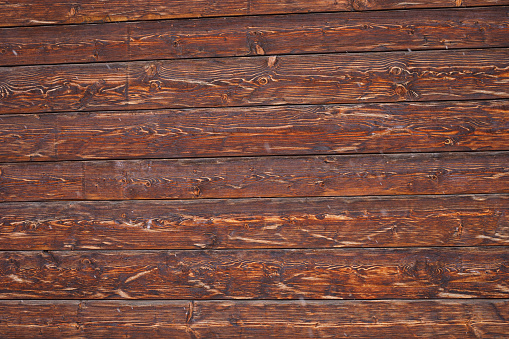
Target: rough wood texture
(38, 12)
(427, 173)
(257, 274)
(63, 44)
(67, 87)
(234, 172)
(263, 80)
(368, 128)
(257, 223)
(321, 79)
(255, 319)
(286, 34)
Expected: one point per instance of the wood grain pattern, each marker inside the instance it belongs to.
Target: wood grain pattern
(255, 319)
(166, 175)
(337, 129)
(302, 79)
(320, 79)
(30, 12)
(259, 35)
(257, 223)
(257, 274)
(427, 173)
(63, 44)
(63, 87)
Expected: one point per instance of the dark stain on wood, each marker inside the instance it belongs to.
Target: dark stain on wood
(268, 319)
(294, 34)
(426, 173)
(274, 80)
(38, 12)
(338, 129)
(477, 220)
(235, 172)
(257, 274)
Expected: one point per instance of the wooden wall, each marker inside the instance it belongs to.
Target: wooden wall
(254, 169)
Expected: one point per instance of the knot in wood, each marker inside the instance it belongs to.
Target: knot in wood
(151, 71)
(155, 85)
(74, 10)
(401, 90)
(224, 98)
(395, 70)
(259, 50)
(196, 192)
(263, 80)
(272, 61)
(358, 5)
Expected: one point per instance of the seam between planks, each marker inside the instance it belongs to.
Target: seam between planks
(257, 15)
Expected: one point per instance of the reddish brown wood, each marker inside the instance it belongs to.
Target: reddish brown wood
(257, 274)
(303, 79)
(63, 44)
(39, 12)
(257, 223)
(363, 128)
(434, 173)
(258, 35)
(63, 87)
(254, 319)
(286, 211)
(320, 79)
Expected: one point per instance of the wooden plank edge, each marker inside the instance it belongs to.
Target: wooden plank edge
(34, 13)
(259, 35)
(268, 319)
(462, 220)
(256, 131)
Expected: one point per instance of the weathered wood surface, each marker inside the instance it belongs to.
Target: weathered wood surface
(257, 223)
(286, 34)
(39, 12)
(253, 131)
(262, 80)
(255, 319)
(194, 163)
(348, 175)
(67, 87)
(257, 274)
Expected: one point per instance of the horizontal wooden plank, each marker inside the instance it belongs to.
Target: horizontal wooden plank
(442, 272)
(30, 12)
(255, 319)
(426, 173)
(262, 80)
(63, 44)
(68, 87)
(287, 34)
(321, 79)
(257, 223)
(285, 130)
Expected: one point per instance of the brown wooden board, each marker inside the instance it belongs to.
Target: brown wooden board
(257, 274)
(63, 87)
(255, 319)
(262, 80)
(63, 44)
(321, 79)
(165, 175)
(40, 12)
(254, 131)
(348, 175)
(257, 223)
(286, 34)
